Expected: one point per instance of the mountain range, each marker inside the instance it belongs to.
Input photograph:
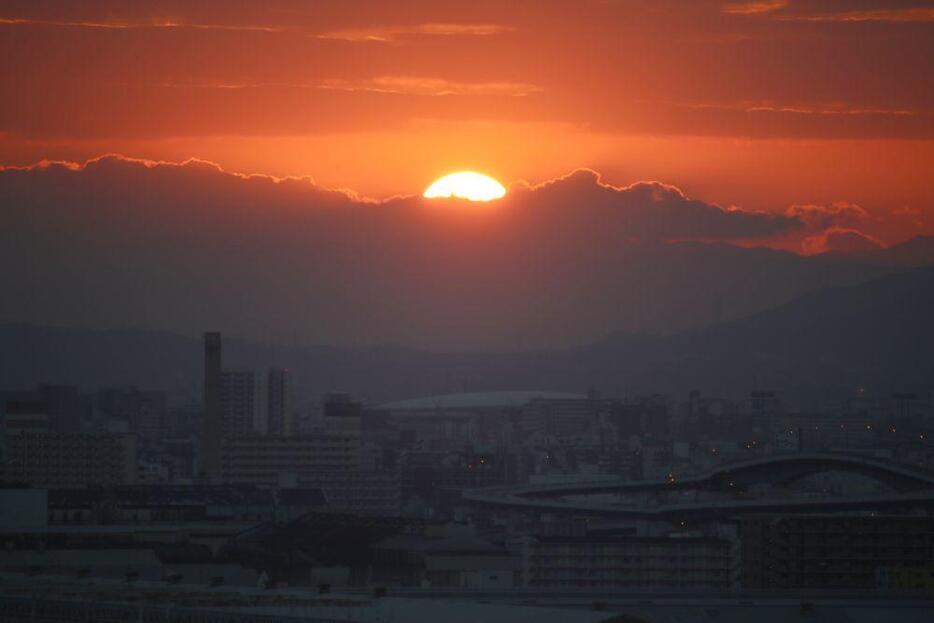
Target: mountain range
(120, 243)
(878, 334)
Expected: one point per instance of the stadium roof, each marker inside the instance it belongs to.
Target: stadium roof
(476, 400)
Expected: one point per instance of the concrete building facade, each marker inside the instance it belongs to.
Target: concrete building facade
(279, 415)
(239, 402)
(210, 468)
(621, 562)
(832, 551)
(48, 459)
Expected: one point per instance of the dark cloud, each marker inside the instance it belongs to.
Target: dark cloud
(122, 242)
(860, 11)
(841, 240)
(833, 228)
(820, 217)
(160, 191)
(649, 210)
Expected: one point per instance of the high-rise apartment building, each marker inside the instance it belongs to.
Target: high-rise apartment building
(211, 422)
(279, 403)
(239, 402)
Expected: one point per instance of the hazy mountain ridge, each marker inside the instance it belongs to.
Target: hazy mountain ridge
(181, 247)
(878, 333)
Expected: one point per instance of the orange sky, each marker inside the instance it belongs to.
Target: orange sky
(760, 104)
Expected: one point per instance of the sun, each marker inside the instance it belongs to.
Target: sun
(466, 185)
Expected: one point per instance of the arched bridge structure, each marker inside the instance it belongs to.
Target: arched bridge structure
(909, 487)
(785, 469)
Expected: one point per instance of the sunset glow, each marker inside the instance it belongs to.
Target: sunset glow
(331, 156)
(421, 304)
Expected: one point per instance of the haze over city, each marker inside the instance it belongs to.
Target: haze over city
(609, 310)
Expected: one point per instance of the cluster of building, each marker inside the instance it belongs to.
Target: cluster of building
(536, 490)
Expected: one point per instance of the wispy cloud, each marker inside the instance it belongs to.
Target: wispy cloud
(372, 33)
(775, 9)
(236, 86)
(876, 15)
(141, 25)
(403, 85)
(829, 109)
(754, 8)
(411, 85)
(393, 33)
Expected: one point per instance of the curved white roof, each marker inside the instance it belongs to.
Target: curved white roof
(475, 400)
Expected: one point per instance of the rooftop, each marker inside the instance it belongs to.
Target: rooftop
(474, 400)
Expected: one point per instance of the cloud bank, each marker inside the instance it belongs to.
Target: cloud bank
(187, 246)
(841, 240)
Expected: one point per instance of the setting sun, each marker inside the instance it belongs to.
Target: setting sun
(466, 185)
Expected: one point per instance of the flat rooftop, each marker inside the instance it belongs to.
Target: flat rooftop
(474, 400)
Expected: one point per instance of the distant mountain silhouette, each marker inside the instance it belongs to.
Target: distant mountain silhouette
(917, 251)
(179, 247)
(878, 334)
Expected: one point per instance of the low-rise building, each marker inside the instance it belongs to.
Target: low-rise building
(23, 508)
(361, 491)
(445, 561)
(48, 459)
(832, 551)
(900, 579)
(266, 459)
(621, 562)
(336, 464)
(164, 504)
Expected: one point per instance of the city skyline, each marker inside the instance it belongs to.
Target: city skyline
(596, 311)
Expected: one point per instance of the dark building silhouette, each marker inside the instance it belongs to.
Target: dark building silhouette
(279, 410)
(67, 408)
(822, 552)
(211, 426)
(143, 411)
(338, 404)
(238, 402)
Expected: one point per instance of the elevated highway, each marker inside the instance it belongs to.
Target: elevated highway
(911, 488)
